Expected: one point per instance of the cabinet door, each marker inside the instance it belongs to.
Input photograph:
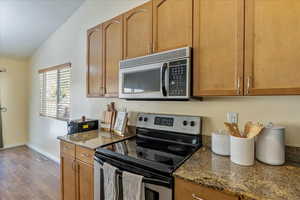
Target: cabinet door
(138, 31)
(112, 53)
(68, 178)
(272, 47)
(172, 24)
(85, 181)
(218, 47)
(94, 62)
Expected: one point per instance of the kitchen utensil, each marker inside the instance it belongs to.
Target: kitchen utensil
(220, 143)
(233, 129)
(109, 117)
(242, 150)
(253, 129)
(270, 145)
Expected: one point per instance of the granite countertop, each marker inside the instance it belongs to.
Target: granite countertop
(259, 182)
(94, 139)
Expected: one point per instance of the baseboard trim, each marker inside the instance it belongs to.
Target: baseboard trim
(12, 146)
(46, 154)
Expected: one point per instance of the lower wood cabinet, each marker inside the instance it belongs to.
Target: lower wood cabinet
(85, 181)
(185, 190)
(77, 172)
(68, 178)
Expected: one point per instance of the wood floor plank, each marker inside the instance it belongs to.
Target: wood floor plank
(27, 175)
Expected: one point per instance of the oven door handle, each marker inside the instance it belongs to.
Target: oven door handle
(98, 160)
(163, 79)
(145, 179)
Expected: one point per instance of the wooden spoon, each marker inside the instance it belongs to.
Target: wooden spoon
(233, 129)
(252, 130)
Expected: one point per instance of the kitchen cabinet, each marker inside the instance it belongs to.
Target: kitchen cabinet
(172, 24)
(77, 173)
(218, 48)
(188, 190)
(85, 181)
(272, 46)
(95, 84)
(68, 178)
(112, 54)
(138, 31)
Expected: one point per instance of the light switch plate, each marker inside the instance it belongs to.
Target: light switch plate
(232, 117)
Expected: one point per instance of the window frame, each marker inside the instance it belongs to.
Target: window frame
(58, 90)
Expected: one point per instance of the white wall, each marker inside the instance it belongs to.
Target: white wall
(68, 44)
(14, 96)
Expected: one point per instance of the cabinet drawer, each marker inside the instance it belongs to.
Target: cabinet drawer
(67, 149)
(187, 190)
(85, 155)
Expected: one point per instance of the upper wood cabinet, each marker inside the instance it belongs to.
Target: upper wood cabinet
(172, 24)
(112, 54)
(95, 83)
(272, 47)
(218, 47)
(138, 31)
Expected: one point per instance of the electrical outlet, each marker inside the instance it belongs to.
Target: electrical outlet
(232, 117)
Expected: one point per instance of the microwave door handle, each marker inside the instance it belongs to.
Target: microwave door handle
(163, 79)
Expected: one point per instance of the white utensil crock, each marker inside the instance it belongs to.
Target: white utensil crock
(242, 150)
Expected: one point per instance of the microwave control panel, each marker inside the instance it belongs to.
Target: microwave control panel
(178, 78)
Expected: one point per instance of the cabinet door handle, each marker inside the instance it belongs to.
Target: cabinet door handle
(239, 86)
(73, 164)
(248, 84)
(196, 197)
(150, 48)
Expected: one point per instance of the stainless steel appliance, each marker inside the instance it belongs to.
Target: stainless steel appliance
(162, 144)
(165, 75)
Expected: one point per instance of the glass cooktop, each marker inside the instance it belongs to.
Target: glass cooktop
(162, 155)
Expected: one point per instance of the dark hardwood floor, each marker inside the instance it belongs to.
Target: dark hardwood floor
(27, 175)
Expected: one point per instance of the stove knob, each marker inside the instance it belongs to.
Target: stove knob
(140, 119)
(193, 123)
(145, 119)
(185, 123)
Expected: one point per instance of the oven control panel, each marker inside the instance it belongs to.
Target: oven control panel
(174, 123)
(178, 78)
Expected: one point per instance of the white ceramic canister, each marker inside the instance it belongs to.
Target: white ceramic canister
(242, 150)
(220, 143)
(270, 145)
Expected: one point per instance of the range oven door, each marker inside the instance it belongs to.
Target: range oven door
(144, 82)
(153, 191)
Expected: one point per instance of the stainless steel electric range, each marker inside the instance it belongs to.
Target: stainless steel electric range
(162, 144)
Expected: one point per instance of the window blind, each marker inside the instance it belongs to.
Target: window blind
(55, 85)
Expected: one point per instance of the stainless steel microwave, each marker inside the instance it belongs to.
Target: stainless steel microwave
(161, 76)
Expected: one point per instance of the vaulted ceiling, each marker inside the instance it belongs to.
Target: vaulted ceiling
(26, 24)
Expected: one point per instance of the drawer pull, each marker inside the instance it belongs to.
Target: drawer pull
(196, 197)
(67, 147)
(85, 155)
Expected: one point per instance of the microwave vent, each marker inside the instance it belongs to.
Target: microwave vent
(157, 58)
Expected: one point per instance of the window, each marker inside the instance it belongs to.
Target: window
(55, 85)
